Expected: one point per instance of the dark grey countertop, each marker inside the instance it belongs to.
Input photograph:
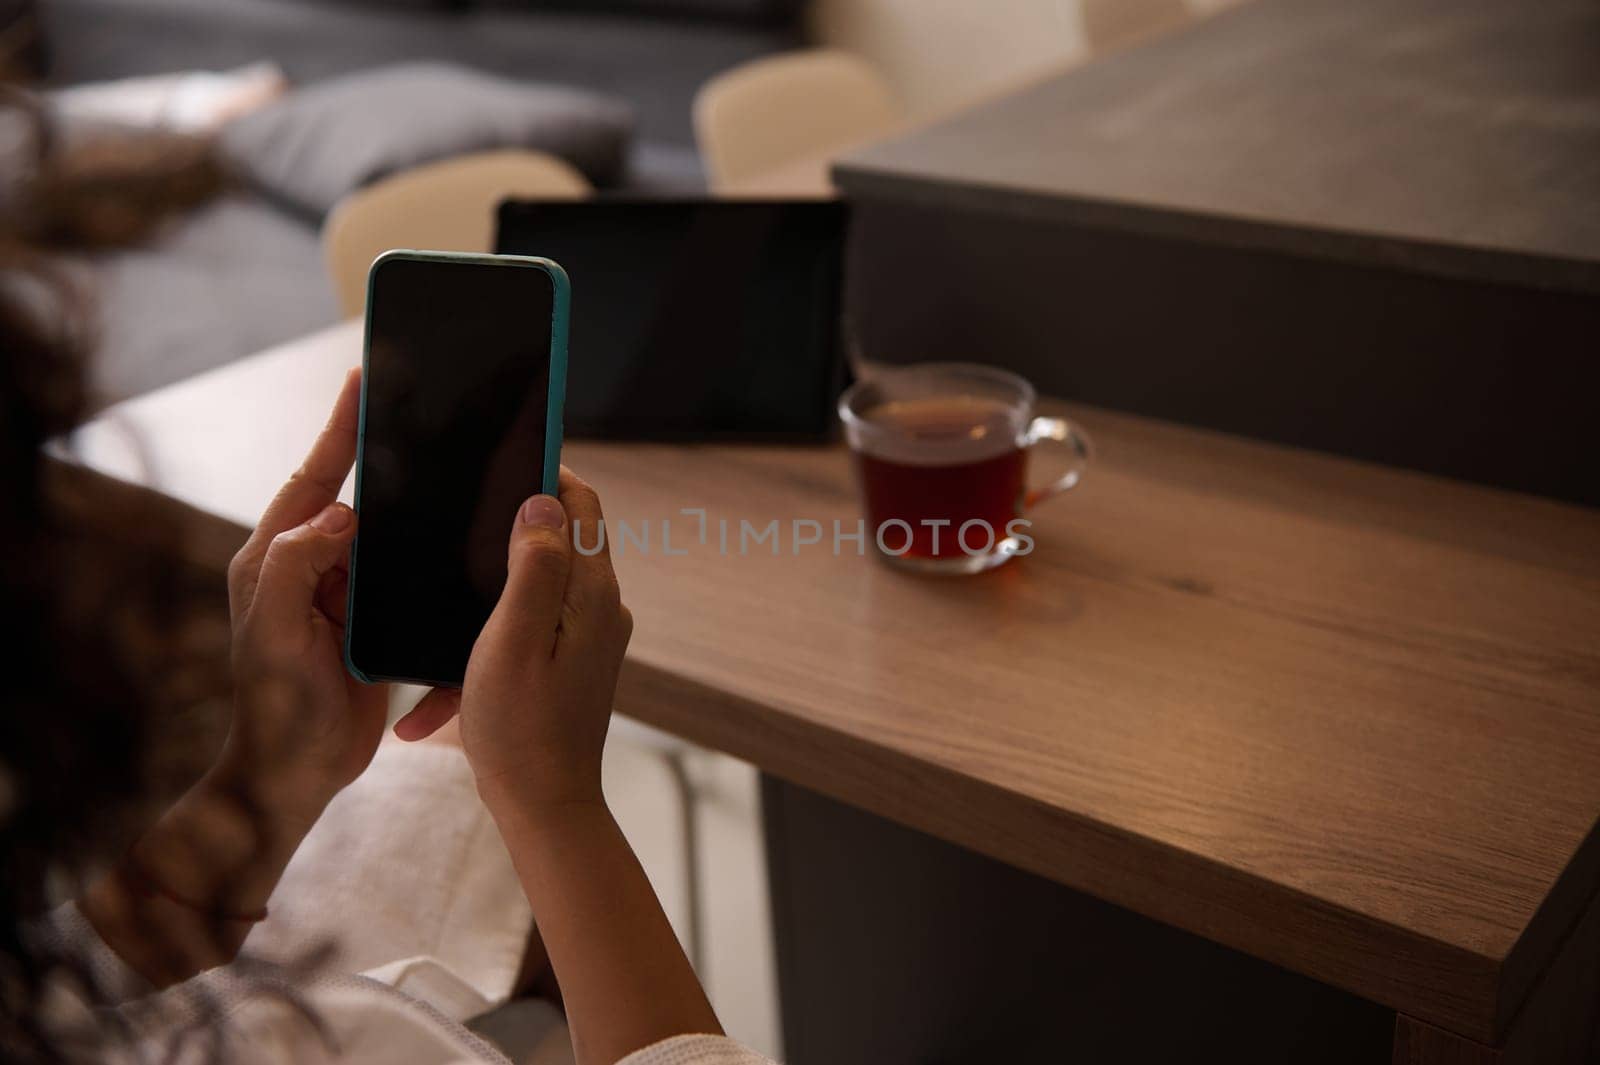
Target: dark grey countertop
(1459, 137)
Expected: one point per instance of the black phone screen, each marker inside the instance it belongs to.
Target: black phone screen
(455, 397)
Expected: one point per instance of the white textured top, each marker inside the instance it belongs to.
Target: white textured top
(415, 961)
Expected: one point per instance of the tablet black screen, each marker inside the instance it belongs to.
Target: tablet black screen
(695, 319)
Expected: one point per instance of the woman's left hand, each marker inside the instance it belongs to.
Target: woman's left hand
(303, 727)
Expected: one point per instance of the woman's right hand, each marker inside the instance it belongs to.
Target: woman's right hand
(534, 711)
(539, 686)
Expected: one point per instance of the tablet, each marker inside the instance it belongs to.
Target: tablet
(695, 319)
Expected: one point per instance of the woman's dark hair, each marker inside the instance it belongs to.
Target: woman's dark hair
(108, 639)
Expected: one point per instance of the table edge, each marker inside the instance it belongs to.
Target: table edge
(1458, 988)
(862, 179)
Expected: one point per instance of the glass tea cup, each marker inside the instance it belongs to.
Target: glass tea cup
(941, 453)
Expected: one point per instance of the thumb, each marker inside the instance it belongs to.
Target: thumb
(294, 565)
(432, 712)
(538, 561)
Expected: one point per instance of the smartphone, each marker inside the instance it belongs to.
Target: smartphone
(463, 379)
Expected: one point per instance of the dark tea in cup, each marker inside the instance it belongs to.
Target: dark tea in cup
(943, 463)
(941, 455)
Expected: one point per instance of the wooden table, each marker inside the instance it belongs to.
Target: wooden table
(1287, 213)
(1340, 720)
(1456, 137)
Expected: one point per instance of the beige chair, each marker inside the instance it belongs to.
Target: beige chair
(1111, 25)
(766, 114)
(445, 206)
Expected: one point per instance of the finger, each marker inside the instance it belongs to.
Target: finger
(538, 563)
(294, 567)
(592, 591)
(309, 489)
(432, 712)
(332, 598)
(320, 476)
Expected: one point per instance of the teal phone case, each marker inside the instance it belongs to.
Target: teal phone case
(560, 313)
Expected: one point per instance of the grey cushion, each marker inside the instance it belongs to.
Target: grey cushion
(325, 140)
(766, 11)
(233, 278)
(240, 275)
(657, 64)
(664, 170)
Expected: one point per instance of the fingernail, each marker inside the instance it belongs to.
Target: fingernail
(333, 518)
(542, 511)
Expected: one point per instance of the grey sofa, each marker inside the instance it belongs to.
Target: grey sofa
(242, 273)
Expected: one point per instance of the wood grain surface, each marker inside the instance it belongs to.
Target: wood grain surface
(1343, 718)
(1558, 1024)
(1458, 137)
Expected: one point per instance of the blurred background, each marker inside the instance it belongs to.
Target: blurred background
(245, 272)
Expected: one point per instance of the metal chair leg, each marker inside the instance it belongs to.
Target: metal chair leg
(678, 766)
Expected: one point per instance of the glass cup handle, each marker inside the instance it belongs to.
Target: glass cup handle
(1069, 436)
